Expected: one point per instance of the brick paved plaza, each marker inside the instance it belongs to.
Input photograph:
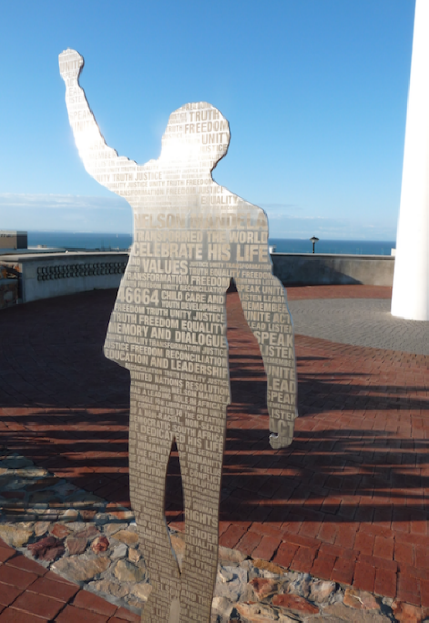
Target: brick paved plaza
(346, 501)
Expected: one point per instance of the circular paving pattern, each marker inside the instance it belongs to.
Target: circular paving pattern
(359, 322)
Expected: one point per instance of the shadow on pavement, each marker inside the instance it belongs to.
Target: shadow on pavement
(359, 454)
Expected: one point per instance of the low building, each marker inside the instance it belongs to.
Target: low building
(13, 239)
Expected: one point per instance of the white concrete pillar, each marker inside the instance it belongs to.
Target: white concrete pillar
(410, 297)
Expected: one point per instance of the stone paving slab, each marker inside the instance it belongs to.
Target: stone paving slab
(360, 322)
(346, 502)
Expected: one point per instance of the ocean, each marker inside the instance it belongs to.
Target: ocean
(344, 247)
(79, 241)
(106, 242)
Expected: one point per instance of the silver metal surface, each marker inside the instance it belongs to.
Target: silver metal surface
(168, 327)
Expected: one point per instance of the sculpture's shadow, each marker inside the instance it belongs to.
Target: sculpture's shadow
(65, 407)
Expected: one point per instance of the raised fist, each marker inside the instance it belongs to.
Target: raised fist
(71, 63)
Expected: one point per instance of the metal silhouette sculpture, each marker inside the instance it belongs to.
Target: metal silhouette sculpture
(168, 327)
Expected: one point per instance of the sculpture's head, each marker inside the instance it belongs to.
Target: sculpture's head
(197, 135)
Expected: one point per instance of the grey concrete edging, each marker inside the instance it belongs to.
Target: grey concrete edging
(46, 275)
(325, 269)
(56, 274)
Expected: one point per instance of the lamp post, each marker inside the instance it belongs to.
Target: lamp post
(314, 240)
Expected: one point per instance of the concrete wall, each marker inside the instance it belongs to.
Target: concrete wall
(46, 275)
(9, 285)
(8, 292)
(323, 269)
(57, 274)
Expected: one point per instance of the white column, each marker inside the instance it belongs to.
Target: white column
(410, 297)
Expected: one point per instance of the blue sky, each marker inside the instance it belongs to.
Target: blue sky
(315, 92)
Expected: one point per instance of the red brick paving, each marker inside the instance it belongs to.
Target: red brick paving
(95, 603)
(70, 614)
(39, 605)
(31, 594)
(57, 590)
(296, 293)
(266, 548)
(323, 566)
(346, 501)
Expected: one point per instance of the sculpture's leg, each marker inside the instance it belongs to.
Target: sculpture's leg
(201, 478)
(149, 453)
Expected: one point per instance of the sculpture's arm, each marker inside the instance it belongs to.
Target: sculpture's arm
(101, 161)
(272, 327)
